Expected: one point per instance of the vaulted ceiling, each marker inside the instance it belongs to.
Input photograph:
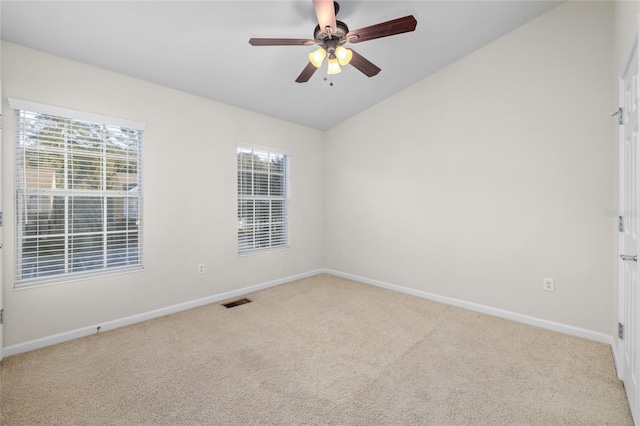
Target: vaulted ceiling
(201, 47)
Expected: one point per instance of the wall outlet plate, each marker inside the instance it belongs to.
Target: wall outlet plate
(549, 284)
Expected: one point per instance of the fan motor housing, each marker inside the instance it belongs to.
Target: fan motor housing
(338, 38)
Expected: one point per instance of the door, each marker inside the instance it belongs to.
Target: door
(628, 241)
(1, 239)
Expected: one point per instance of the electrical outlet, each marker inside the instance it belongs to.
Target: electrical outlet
(201, 268)
(339, 250)
(549, 284)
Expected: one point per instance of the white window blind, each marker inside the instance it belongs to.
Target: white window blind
(78, 198)
(263, 199)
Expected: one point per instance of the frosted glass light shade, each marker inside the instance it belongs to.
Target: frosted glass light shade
(317, 57)
(334, 66)
(344, 55)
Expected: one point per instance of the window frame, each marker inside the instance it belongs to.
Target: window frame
(103, 196)
(275, 244)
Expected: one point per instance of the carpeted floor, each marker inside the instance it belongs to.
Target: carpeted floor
(322, 350)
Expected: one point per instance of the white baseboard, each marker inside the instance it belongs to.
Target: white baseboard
(122, 322)
(549, 325)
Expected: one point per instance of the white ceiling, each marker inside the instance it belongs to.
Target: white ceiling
(201, 47)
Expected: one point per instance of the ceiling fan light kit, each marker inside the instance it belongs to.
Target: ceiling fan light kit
(344, 55)
(317, 56)
(333, 67)
(331, 34)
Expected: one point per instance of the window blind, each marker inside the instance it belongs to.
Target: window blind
(263, 199)
(78, 198)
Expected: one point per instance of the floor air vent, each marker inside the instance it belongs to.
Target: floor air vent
(236, 303)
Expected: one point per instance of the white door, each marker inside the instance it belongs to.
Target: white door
(1, 239)
(628, 241)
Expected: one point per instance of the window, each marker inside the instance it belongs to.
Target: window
(78, 194)
(263, 199)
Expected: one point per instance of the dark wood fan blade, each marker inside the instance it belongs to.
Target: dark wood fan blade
(326, 13)
(363, 64)
(383, 29)
(306, 73)
(281, 42)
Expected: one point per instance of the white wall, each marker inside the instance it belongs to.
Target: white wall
(189, 200)
(490, 175)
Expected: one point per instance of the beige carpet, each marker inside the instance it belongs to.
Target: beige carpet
(323, 350)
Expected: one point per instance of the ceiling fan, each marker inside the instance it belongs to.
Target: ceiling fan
(331, 35)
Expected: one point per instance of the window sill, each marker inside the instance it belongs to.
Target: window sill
(263, 251)
(67, 278)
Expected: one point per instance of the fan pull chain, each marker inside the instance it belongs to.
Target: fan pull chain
(330, 82)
